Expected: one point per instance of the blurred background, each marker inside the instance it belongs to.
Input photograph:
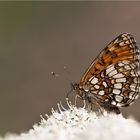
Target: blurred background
(37, 38)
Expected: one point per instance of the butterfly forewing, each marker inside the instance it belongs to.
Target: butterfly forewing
(113, 77)
(124, 47)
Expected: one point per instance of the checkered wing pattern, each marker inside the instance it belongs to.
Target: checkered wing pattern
(112, 80)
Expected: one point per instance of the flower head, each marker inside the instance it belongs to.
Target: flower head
(79, 124)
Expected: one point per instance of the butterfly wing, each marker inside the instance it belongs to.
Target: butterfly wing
(124, 47)
(119, 84)
(112, 78)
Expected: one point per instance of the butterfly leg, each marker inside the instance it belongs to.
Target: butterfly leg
(89, 106)
(75, 102)
(87, 102)
(84, 102)
(110, 108)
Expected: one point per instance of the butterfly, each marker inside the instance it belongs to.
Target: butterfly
(112, 80)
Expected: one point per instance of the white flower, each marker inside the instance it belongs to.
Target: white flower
(78, 124)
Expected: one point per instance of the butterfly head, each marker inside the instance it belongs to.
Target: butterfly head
(76, 88)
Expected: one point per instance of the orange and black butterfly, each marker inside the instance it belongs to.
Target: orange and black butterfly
(112, 80)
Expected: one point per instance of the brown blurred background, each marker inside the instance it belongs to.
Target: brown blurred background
(37, 38)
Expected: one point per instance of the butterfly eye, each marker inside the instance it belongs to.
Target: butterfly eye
(113, 77)
(75, 86)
